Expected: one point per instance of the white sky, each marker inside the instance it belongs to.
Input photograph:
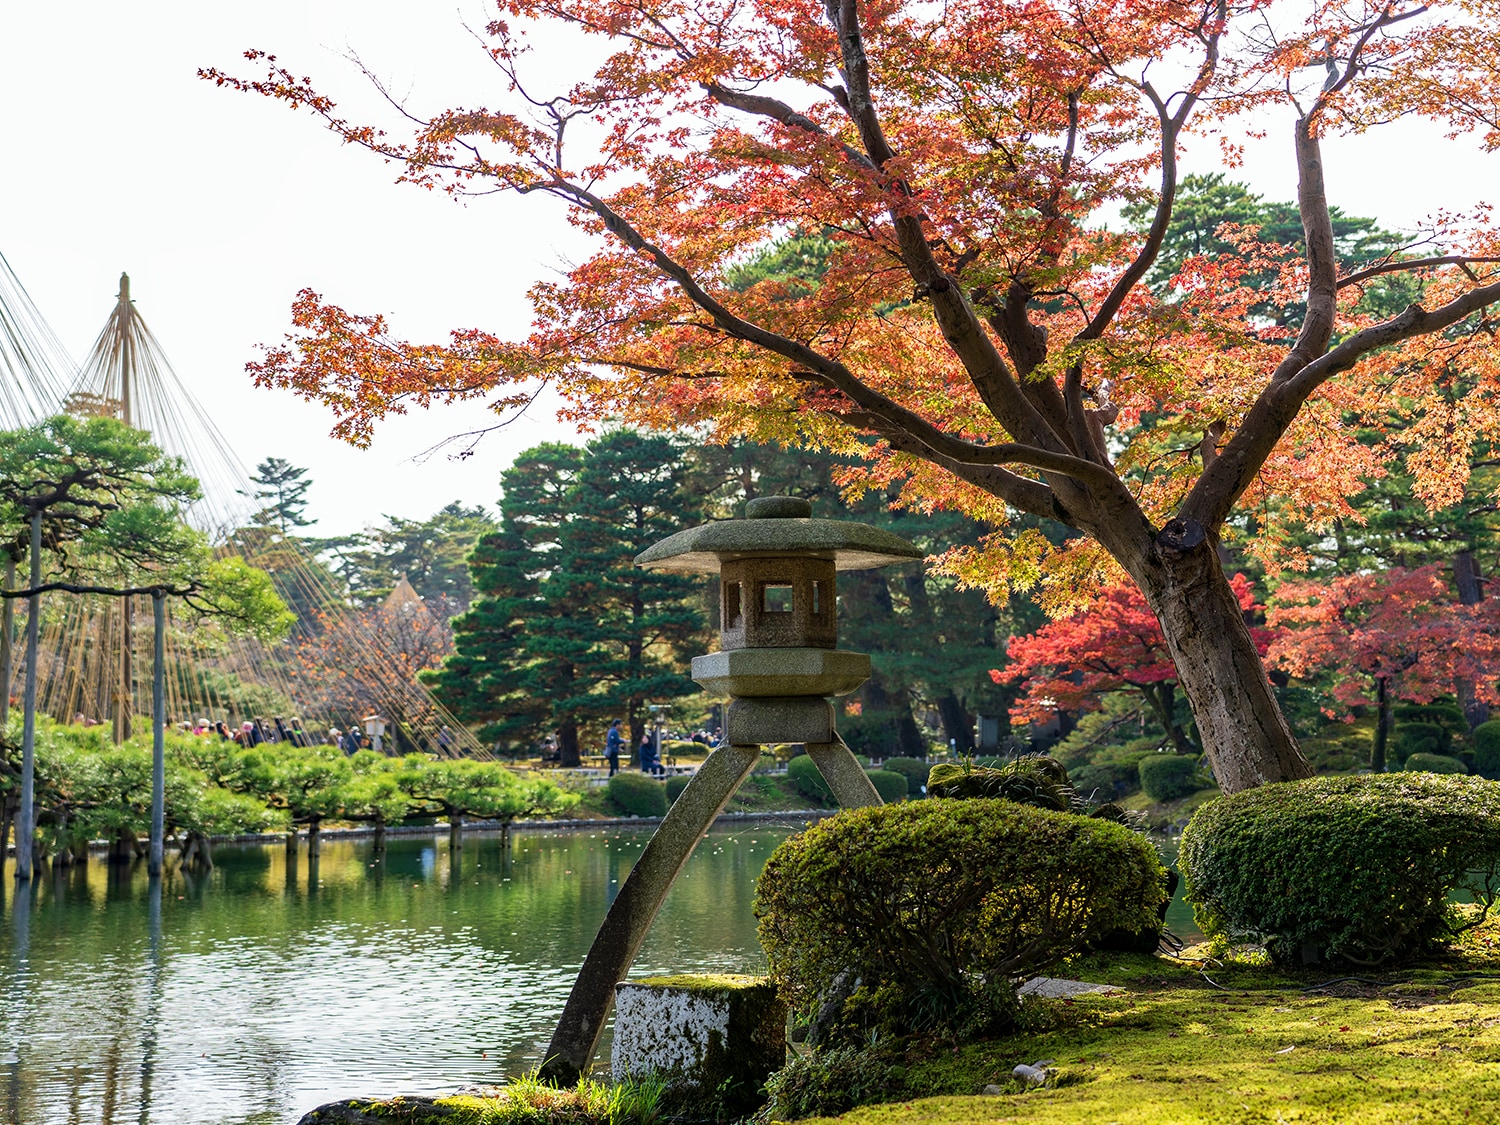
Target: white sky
(221, 206)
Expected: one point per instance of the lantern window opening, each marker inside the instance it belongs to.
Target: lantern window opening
(821, 602)
(776, 597)
(734, 614)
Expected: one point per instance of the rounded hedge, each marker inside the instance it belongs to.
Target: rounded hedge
(1435, 763)
(1419, 738)
(1486, 738)
(1165, 777)
(941, 907)
(674, 787)
(889, 784)
(913, 769)
(806, 778)
(1356, 869)
(635, 794)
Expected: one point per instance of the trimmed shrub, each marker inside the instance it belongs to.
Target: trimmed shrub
(1355, 869)
(674, 787)
(1419, 738)
(1486, 738)
(1448, 715)
(635, 794)
(807, 779)
(889, 784)
(914, 770)
(940, 905)
(1435, 763)
(1165, 777)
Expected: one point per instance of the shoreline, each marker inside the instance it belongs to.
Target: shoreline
(488, 827)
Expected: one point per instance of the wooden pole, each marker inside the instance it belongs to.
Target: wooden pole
(26, 817)
(158, 733)
(7, 647)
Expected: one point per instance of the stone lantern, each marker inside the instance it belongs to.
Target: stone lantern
(778, 657)
(779, 663)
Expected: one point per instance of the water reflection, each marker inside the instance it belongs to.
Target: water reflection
(250, 993)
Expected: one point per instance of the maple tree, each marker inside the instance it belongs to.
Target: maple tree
(977, 316)
(1113, 644)
(1399, 634)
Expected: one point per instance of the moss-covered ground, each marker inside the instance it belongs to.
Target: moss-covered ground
(1196, 1041)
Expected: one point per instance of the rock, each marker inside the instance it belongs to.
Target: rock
(1033, 1074)
(994, 1091)
(713, 1040)
(1053, 988)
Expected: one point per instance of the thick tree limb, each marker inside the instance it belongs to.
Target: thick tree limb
(1229, 474)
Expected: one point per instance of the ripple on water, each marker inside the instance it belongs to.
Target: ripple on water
(260, 994)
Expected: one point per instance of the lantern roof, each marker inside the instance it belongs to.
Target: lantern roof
(777, 527)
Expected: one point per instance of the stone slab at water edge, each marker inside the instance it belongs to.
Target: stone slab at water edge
(706, 1037)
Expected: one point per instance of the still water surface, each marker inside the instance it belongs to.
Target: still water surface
(250, 995)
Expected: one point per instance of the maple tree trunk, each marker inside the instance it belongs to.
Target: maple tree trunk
(1382, 724)
(1243, 731)
(1163, 700)
(1470, 592)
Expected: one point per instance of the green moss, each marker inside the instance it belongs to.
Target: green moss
(702, 982)
(1220, 1043)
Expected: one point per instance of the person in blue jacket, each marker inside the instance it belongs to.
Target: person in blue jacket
(612, 743)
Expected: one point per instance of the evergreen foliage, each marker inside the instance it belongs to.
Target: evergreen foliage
(635, 794)
(1486, 738)
(1166, 777)
(937, 907)
(432, 554)
(804, 774)
(913, 769)
(280, 489)
(566, 629)
(1358, 869)
(1434, 763)
(889, 784)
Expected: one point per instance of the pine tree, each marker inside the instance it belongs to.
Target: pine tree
(281, 489)
(566, 630)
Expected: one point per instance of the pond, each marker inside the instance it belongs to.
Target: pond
(250, 995)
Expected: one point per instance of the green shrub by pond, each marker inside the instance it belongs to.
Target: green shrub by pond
(803, 773)
(913, 769)
(889, 784)
(1166, 777)
(636, 794)
(939, 906)
(1357, 869)
(674, 787)
(1435, 763)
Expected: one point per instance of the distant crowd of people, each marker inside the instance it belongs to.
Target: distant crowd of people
(256, 730)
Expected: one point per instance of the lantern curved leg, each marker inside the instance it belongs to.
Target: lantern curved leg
(852, 787)
(635, 907)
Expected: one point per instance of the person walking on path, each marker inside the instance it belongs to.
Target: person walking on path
(612, 743)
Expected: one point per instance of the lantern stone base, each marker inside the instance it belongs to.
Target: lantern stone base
(762, 672)
(797, 718)
(710, 1039)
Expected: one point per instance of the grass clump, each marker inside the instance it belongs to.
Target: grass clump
(524, 1101)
